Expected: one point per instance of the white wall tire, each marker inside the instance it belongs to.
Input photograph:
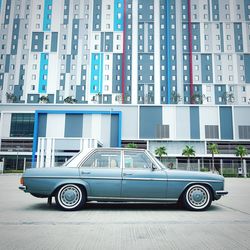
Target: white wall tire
(197, 198)
(70, 197)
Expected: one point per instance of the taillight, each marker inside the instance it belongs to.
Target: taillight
(21, 181)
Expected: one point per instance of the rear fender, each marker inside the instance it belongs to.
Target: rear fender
(71, 181)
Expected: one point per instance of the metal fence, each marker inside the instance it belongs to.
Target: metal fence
(226, 167)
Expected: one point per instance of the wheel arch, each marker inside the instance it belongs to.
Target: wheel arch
(81, 184)
(206, 184)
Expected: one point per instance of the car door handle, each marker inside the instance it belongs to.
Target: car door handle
(83, 172)
(125, 174)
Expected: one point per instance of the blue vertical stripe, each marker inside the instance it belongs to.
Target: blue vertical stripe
(47, 15)
(150, 118)
(168, 54)
(194, 123)
(215, 10)
(226, 123)
(247, 11)
(247, 67)
(118, 15)
(7, 12)
(96, 73)
(35, 140)
(43, 73)
(101, 73)
(0, 5)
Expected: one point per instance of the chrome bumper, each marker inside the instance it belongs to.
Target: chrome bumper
(22, 188)
(221, 192)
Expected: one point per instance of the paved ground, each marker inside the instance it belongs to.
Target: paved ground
(29, 223)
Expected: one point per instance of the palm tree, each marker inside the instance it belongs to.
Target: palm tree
(188, 151)
(161, 151)
(213, 148)
(10, 97)
(44, 99)
(70, 100)
(131, 145)
(241, 151)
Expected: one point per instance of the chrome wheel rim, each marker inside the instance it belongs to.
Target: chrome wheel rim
(70, 196)
(197, 197)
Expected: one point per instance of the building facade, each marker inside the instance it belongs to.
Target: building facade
(178, 71)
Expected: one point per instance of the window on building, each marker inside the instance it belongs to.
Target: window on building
(211, 131)
(244, 132)
(162, 131)
(22, 125)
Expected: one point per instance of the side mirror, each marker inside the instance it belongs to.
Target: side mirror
(153, 167)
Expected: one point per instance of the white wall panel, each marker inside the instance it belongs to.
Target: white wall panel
(208, 116)
(55, 125)
(169, 118)
(87, 126)
(6, 122)
(182, 123)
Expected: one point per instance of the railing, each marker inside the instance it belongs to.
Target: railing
(16, 145)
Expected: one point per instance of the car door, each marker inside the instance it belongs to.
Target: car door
(139, 179)
(102, 172)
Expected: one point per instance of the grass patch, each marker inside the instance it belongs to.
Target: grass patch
(13, 171)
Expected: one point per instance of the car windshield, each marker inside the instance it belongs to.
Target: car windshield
(76, 159)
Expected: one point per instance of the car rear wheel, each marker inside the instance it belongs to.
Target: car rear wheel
(70, 197)
(197, 198)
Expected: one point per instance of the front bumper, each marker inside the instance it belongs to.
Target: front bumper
(221, 192)
(23, 188)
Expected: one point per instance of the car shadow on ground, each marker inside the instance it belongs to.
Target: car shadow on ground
(121, 206)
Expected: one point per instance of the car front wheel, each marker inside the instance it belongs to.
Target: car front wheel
(70, 197)
(197, 198)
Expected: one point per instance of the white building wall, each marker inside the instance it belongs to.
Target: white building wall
(208, 116)
(55, 125)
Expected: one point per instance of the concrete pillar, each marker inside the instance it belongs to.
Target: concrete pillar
(245, 168)
(41, 165)
(221, 166)
(24, 164)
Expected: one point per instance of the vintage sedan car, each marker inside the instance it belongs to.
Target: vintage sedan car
(121, 174)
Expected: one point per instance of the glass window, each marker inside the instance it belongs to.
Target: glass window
(22, 125)
(105, 159)
(136, 159)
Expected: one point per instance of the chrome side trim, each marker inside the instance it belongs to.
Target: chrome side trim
(144, 179)
(132, 199)
(56, 177)
(221, 192)
(97, 178)
(194, 180)
(122, 178)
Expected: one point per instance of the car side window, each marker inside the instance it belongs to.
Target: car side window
(105, 159)
(136, 159)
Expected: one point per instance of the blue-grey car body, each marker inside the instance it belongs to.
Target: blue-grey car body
(158, 183)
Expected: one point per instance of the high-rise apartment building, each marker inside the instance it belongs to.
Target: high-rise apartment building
(154, 72)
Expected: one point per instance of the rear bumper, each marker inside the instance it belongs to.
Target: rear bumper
(221, 192)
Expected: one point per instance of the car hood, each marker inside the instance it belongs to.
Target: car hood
(193, 175)
(51, 172)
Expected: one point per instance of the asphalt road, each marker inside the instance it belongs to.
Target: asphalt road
(29, 223)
